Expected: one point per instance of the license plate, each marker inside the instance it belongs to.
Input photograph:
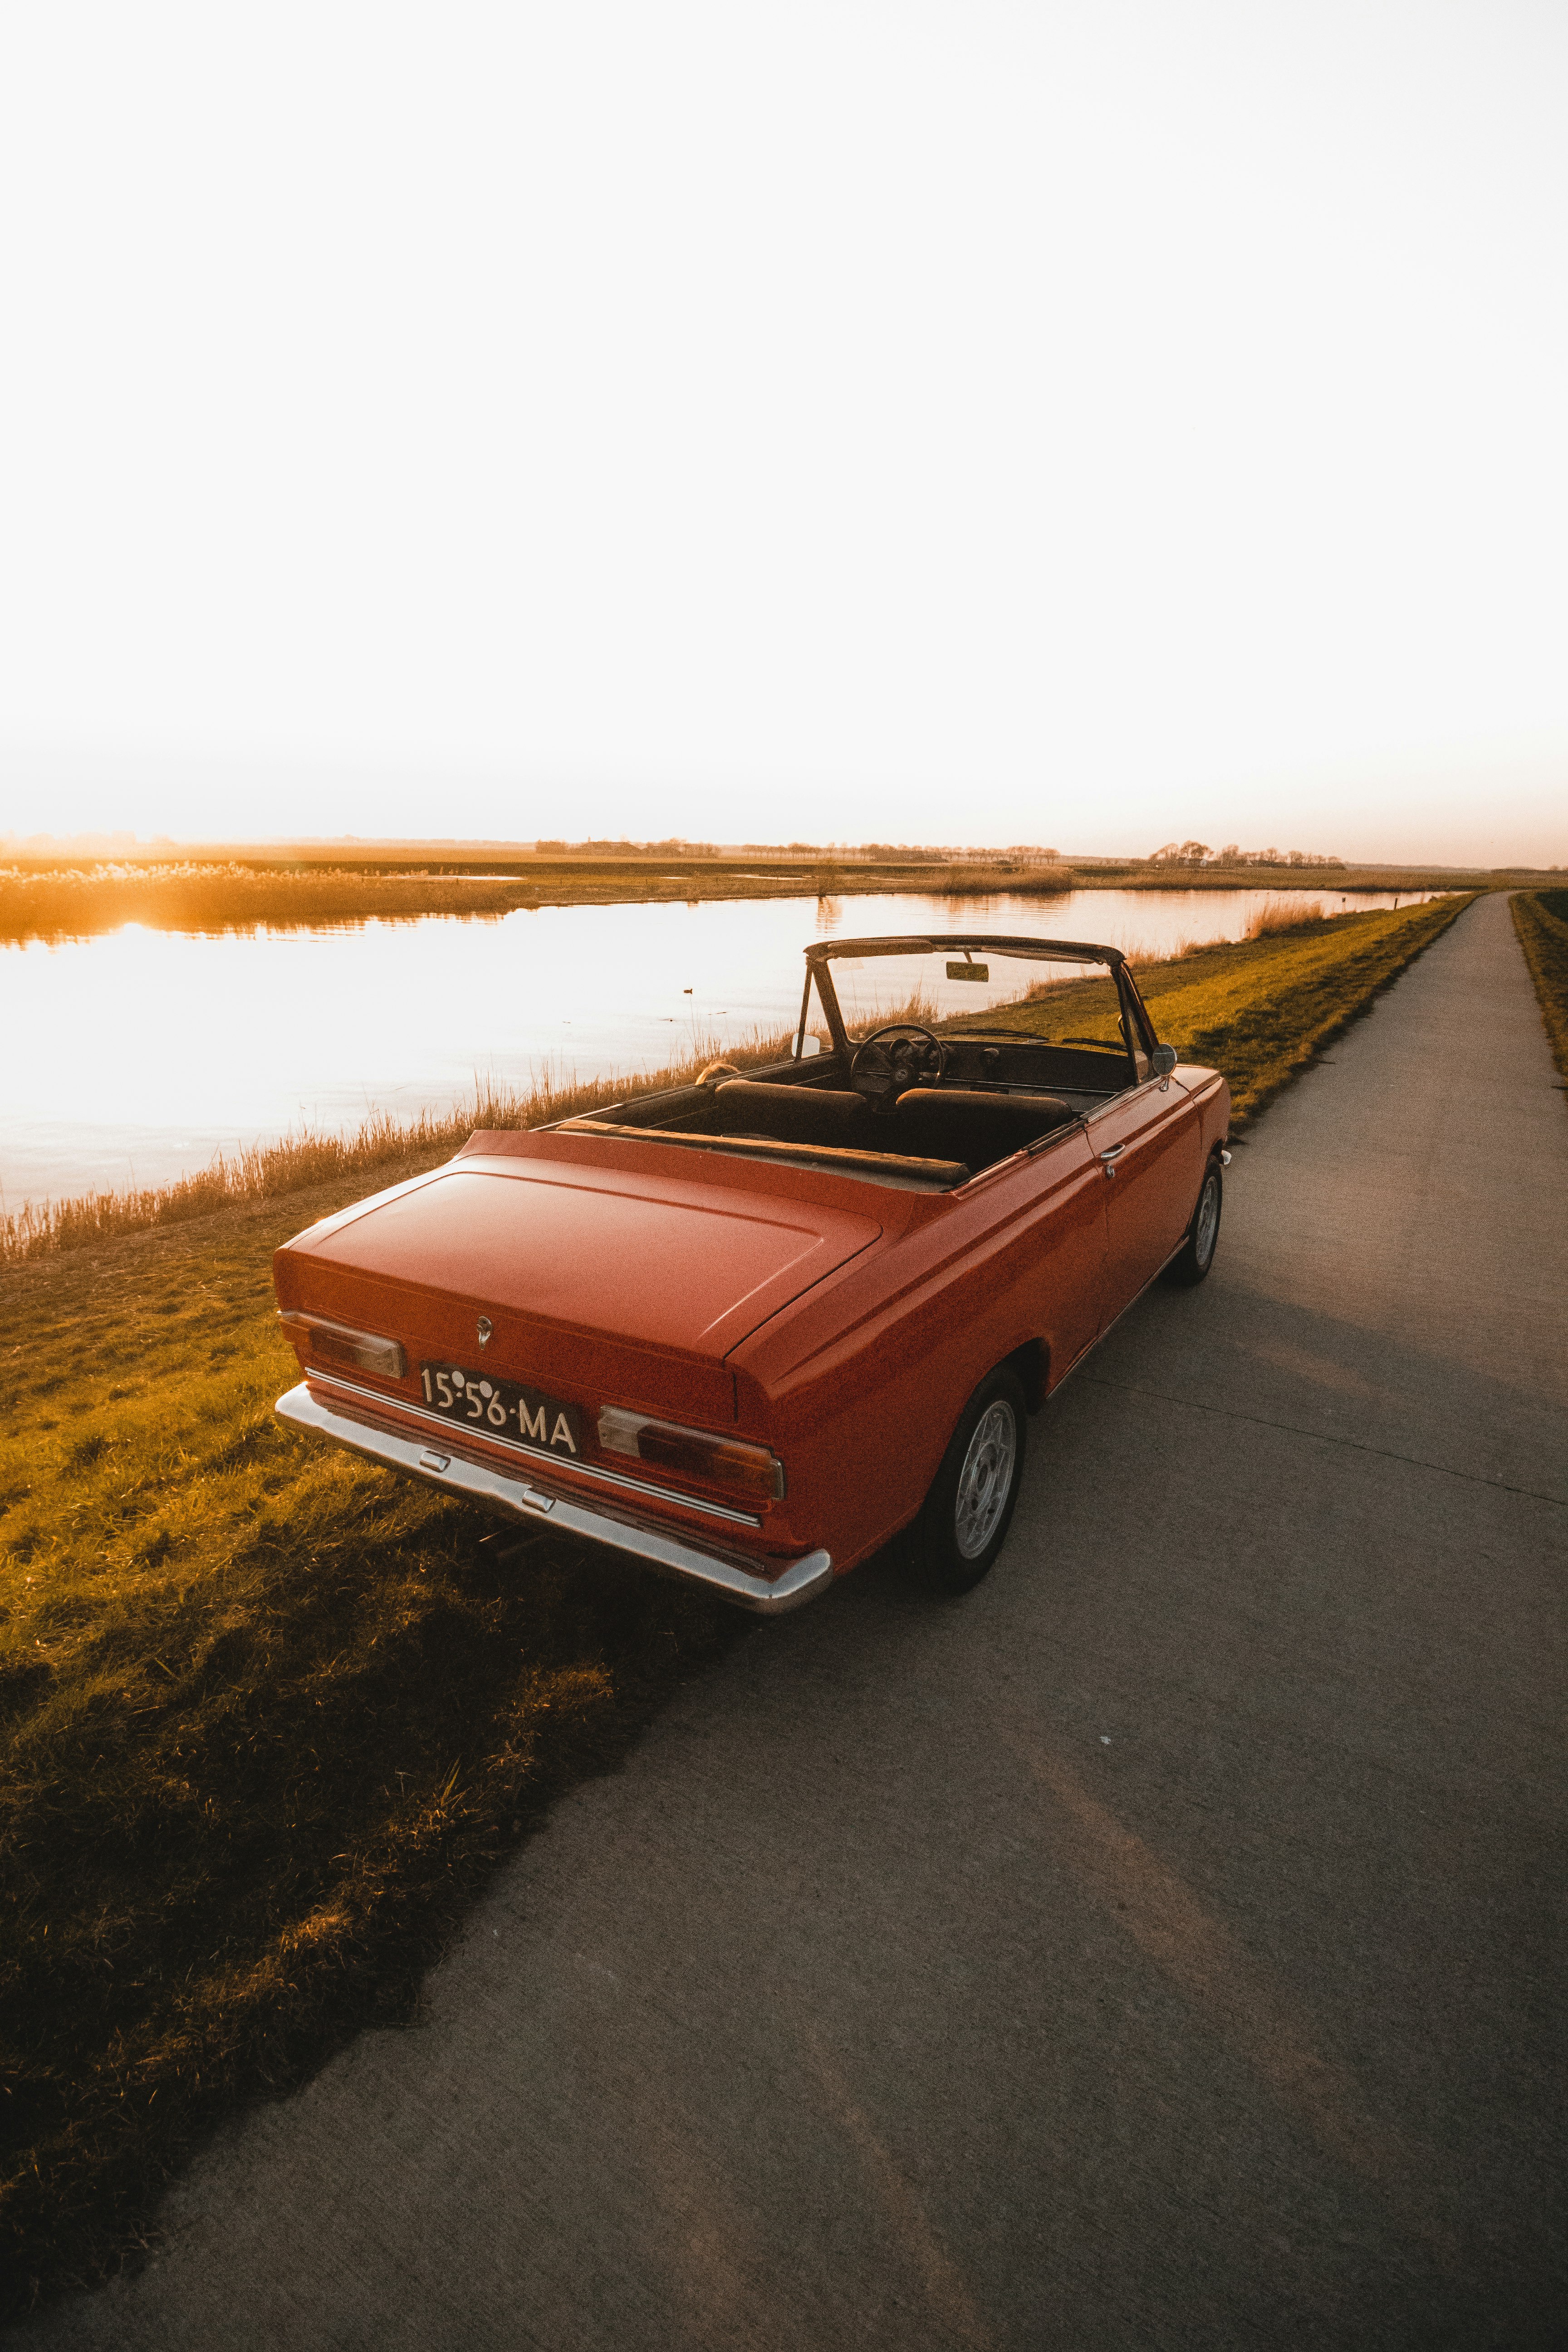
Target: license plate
(493, 1408)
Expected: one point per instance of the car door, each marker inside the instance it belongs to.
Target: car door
(1149, 1146)
(1067, 1225)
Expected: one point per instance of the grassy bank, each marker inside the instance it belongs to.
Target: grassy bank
(1541, 919)
(1261, 1013)
(1261, 1009)
(268, 1170)
(268, 1716)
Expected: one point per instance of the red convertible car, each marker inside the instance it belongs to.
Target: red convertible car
(749, 1329)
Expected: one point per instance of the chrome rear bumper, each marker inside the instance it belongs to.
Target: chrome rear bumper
(536, 1502)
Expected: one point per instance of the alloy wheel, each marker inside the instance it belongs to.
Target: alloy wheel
(1208, 1222)
(985, 1479)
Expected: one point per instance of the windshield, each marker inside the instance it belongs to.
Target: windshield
(978, 991)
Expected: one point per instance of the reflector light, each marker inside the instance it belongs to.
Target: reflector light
(725, 1461)
(334, 1343)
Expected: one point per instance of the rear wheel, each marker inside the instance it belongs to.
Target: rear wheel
(1194, 1259)
(964, 1521)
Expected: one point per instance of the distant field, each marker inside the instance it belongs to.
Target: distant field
(206, 895)
(1541, 919)
(78, 903)
(267, 1716)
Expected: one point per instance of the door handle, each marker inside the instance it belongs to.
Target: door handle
(1115, 1152)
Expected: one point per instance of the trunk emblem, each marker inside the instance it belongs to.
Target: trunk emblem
(485, 1327)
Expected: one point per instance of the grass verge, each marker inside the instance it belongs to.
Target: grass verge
(1541, 920)
(1262, 1009)
(269, 1718)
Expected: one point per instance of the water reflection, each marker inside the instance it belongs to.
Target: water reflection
(134, 1056)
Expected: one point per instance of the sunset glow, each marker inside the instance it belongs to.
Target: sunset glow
(1087, 426)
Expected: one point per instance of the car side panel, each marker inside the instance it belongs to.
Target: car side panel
(1151, 1184)
(1210, 1097)
(861, 1384)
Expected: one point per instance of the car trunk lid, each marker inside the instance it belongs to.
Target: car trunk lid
(599, 1282)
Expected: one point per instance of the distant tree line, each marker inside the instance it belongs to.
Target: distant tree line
(899, 853)
(904, 853)
(1198, 852)
(675, 846)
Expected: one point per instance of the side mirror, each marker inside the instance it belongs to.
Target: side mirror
(1164, 1061)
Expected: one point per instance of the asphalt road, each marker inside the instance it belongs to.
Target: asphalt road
(1158, 1948)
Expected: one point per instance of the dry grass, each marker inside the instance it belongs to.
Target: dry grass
(918, 1010)
(1279, 914)
(79, 902)
(959, 879)
(267, 1170)
(1541, 920)
(1263, 1010)
(969, 879)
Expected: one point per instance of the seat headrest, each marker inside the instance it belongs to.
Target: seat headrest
(757, 1091)
(1048, 1111)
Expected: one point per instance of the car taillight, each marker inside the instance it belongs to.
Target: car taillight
(726, 1462)
(334, 1343)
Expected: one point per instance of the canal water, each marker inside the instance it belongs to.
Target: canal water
(131, 1058)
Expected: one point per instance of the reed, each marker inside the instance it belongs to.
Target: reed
(211, 895)
(208, 896)
(1278, 914)
(972, 879)
(80, 903)
(261, 1172)
(918, 1010)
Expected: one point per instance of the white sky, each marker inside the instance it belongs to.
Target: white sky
(847, 418)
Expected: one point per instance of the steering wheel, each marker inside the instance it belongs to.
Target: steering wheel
(888, 1060)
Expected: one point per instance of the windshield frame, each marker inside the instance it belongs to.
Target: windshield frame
(820, 954)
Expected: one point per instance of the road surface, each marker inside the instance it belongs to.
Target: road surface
(1156, 1950)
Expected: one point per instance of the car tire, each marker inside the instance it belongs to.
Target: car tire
(965, 1519)
(1192, 1261)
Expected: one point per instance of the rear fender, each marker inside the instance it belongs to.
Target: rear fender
(1032, 1362)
